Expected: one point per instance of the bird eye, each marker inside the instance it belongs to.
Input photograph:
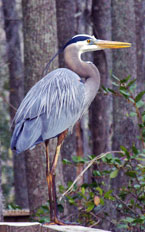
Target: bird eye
(88, 40)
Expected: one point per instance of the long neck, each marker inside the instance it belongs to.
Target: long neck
(83, 69)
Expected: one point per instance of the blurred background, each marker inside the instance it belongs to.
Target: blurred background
(31, 32)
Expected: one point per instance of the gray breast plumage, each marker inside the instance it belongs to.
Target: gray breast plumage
(51, 106)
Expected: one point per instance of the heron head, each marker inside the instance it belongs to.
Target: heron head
(86, 43)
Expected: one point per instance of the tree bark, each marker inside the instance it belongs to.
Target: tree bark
(40, 44)
(70, 23)
(1, 195)
(101, 109)
(12, 29)
(78, 19)
(140, 42)
(2, 75)
(124, 64)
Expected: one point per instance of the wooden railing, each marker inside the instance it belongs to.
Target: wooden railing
(36, 227)
(18, 221)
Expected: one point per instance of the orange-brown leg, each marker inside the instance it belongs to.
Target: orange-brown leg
(49, 180)
(50, 174)
(61, 138)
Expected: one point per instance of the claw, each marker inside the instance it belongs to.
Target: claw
(55, 222)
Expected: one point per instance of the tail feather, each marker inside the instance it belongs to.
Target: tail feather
(26, 134)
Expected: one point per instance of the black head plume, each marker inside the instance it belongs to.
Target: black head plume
(74, 39)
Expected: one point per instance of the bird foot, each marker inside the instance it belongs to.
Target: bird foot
(56, 221)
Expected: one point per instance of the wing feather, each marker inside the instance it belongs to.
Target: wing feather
(54, 103)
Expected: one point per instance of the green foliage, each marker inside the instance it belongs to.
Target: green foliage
(43, 213)
(13, 206)
(129, 201)
(6, 154)
(92, 200)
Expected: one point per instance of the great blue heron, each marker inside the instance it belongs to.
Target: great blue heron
(56, 102)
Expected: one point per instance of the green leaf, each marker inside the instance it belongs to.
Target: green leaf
(140, 104)
(114, 83)
(123, 88)
(99, 190)
(83, 190)
(61, 188)
(132, 114)
(134, 149)
(90, 206)
(139, 96)
(132, 88)
(122, 226)
(128, 219)
(131, 99)
(125, 93)
(126, 151)
(114, 173)
(137, 186)
(102, 201)
(66, 161)
(111, 90)
(105, 89)
(125, 79)
(108, 195)
(96, 173)
(78, 159)
(71, 200)
(140, 220)
(131, 174)
(131, 83)
(115, 77)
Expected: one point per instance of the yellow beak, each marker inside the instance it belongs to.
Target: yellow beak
(102, 44)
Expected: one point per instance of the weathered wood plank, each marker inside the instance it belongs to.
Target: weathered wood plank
(16, 215)
(24, 212)
(20, 227)
(37, 227)
(73, 228)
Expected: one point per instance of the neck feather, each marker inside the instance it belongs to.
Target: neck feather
(83, 69)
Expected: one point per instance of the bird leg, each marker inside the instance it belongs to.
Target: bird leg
(61, 138)
(50, 175)
(49, 179)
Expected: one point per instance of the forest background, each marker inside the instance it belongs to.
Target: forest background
(31, 32)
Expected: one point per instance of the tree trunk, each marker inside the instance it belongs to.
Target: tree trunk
(65, 22)
(40, 44)
(101, 109)
(73, 17)
(2, 76)
(124, 64)
(140, 42)
(1, 196)
(12, 28)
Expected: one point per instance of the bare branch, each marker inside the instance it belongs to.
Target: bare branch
(90, 163)
(3, 98)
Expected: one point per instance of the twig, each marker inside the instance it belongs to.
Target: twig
(8, 103)
(99, 217)
(86, 168)
(124, 203)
